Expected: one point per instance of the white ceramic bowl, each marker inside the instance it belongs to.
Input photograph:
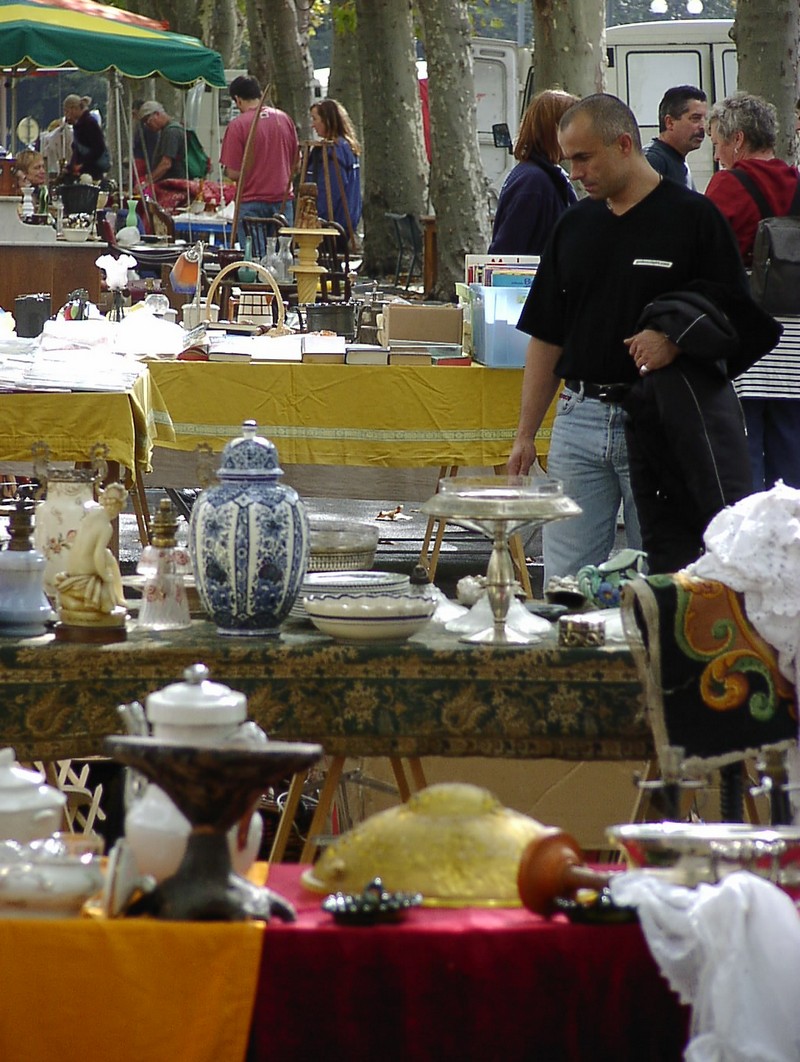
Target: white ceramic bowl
(369, 618)
(76, 235)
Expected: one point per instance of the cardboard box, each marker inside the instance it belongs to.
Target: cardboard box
(434, 323)
(580, 798)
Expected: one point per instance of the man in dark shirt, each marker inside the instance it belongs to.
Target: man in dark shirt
(609, 257)
(681, 129)
(169, 155)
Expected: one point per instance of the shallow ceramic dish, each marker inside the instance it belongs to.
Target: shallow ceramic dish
(76, 235)
(703, 851)
(361, 618)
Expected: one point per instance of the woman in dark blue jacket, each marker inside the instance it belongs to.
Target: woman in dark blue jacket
(334, 165)
(537, 191)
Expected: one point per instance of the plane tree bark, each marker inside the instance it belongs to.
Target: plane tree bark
(394, 155)
(458, 184)
(768, 51)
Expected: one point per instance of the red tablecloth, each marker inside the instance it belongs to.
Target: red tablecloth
(469, 985)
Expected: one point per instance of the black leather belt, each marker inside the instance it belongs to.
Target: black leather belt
(613, 392)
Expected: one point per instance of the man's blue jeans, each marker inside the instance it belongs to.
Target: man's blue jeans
(588, 454)
(261, 210)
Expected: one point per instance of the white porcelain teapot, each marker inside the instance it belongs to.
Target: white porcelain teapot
(194, 712)
(30, 810)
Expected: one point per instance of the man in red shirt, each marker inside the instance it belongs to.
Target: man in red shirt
(266, 171)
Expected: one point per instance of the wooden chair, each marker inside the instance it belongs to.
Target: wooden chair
(334, 254)
(409, 245)
(261, 231)
(156, 220)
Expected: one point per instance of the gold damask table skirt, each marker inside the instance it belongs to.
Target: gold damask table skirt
(392, 416)
(428, 697)
(72, 422)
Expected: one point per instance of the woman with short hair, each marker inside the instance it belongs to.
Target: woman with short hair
(743, 130)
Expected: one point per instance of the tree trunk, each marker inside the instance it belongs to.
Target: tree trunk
(768, 51)
(226, 32)
(344, 83)
(458, 183)
(294, 71)
(260, 64)
(393, 144)
(569, 45)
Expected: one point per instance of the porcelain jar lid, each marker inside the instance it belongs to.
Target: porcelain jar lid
(250, 455)
(24, 790)
(196, 702)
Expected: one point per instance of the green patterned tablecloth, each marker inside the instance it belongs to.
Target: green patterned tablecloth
(429, 697)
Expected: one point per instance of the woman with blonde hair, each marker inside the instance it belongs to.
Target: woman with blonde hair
(334, 166)
(537, 191)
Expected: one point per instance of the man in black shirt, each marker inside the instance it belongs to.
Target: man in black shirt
(681, 129)
(632, 239)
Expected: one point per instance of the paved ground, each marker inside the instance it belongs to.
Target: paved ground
(463, 552)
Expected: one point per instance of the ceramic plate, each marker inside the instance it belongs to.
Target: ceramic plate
(361, 582)
(348, 582)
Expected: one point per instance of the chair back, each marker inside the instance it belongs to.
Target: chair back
(409, 244)
(260, 231)
(334, 254)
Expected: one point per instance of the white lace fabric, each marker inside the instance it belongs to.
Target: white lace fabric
(754, 548)
(731, 951)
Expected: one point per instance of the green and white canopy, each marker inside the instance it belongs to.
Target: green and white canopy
(96, 38)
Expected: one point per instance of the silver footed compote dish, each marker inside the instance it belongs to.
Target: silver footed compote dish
(498, 507)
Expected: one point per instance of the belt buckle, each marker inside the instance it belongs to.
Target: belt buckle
(611, 392)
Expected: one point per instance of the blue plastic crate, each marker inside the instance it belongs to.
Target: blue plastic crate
(495, 339)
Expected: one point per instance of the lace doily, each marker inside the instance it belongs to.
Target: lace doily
(754, 548)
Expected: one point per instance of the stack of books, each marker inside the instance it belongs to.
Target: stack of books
(410, 353)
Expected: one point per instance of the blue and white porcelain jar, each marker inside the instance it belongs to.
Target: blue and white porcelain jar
(249, 540)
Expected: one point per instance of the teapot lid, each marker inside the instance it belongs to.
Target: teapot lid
(249, 455)
(21, 788)
(196, 701)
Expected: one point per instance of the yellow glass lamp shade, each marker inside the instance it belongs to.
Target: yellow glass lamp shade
(454, 843)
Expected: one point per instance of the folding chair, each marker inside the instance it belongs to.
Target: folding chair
(409, 242)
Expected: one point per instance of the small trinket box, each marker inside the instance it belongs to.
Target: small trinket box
(577, 633)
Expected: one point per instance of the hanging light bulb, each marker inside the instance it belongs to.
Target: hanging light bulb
(658, 7)
(694, 7)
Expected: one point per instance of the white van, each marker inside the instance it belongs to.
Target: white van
(644, 60)
(647, 58)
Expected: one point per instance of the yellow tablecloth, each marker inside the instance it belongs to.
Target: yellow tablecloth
(132, 991)
(386, 416)
(71, 423)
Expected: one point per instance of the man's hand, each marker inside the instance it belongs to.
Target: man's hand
(651, 350)
(522, 456)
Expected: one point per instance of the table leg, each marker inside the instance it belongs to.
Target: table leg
(398, 770)
(517, 551)
(323, 808)
(141, 509)
(417, 772)
(430, 562)
(286, 820)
